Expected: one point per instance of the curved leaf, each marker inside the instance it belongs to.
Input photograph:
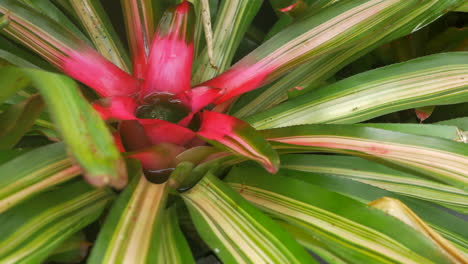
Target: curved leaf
(342, 25)
(375, 174)
(346, 227)
(234, 135)
(89, 140)
(235, 230)
(409, 16)
(441, 219)
(441, 159)
(101, 31)
(34, 172)
(31, 230)
(430, 80)
(131, 231)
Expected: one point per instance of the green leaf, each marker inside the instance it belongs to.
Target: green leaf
(131, 232)
(375, 174)
(297, 166)
(346, 227)
(73, 250)
(462, 8)
(399, 210)
(89, 140)
(103, 35)
(232, 21)
(336, 36)
(443, 160)
(30, 231)
(431, 80)
(429, 130)
(461, 123)
(235, 230)
(16, 121)
(34, 172)
(174, 248)
(12, 81)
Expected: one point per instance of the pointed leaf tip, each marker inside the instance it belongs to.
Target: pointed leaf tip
(235, 135)
(170, 61)
(240, 79)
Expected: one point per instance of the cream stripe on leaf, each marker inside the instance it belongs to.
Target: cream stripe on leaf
(370, 24)
(235, 230)
(131, 231)
(174, 248)
(431, 80)
(347, 227)
(232, 21)
(30, 231)
(378, 175)
(33, 173)
(101, 32)
(441, 219)
(440, 159)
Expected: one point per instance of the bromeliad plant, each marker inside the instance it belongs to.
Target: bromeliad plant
(168, 136)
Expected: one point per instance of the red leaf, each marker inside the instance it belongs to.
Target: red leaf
(119, 107)
(170, 61)
(239, 79)
(160, 131)
(139, 21)
(90, 68)
(235, 135)
(199, 97)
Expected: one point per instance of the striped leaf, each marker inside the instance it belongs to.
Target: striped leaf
(101, 31)
(140, 24)
(174, 248)
(440, 159)
(432, 80)
(132, 230)
(34, 172)
(30, 231)
(235, 230)
(37, 31)
(48, 8)
(18, 56)
(366, 28)
(344, 226)
(375, 174)
(399, 210)
(89, 140)
(441, 219)
(234, 135)
(232, 21)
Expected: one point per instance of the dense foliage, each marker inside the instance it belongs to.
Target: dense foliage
(233, 131)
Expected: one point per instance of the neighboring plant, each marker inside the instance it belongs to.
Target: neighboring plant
(184, 157)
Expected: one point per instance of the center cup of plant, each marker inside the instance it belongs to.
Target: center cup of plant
(162, 106)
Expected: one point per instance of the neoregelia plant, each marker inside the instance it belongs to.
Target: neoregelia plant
(170, 134)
